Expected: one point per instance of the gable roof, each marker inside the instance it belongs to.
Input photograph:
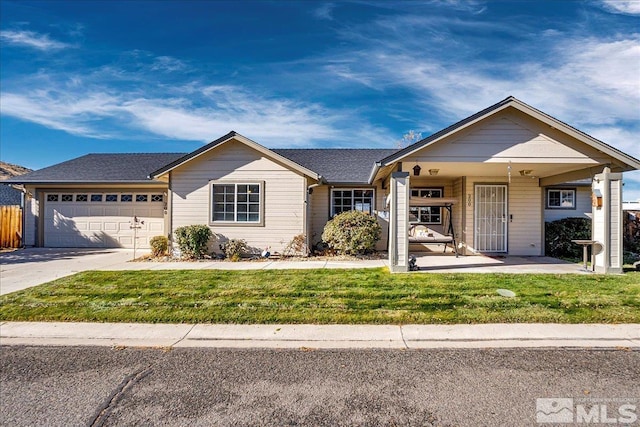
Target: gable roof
(339, 165)
(233, 135)
(126, 168)
(510, 101)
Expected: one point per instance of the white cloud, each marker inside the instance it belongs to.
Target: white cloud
(629, 7)
(324, 11)
(68, 114)
(31, 39)
(168, 64)
(273, 122)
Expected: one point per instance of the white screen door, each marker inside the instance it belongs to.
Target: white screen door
(491, 218)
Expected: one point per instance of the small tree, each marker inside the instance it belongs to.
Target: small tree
(352, 232)
(193, 240)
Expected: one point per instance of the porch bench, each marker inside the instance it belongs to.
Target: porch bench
(420, 233)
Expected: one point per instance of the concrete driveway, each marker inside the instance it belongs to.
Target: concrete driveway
(29, 267)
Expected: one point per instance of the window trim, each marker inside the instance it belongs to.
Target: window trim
(561, 189)
(333, 189)
(235, 222)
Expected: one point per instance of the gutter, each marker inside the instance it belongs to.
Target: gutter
(374, 171)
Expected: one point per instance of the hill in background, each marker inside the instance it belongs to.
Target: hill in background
(8, 170)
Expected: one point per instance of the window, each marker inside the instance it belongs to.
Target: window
(111, 198)
(426, 192)
(96, 197)
(426, 214)
(67, 198)
(157, 198)
(240, 203)
(561, 198)
(343, 200)
(126, 198)
(52, 197)
(141, 197)
(81, 198)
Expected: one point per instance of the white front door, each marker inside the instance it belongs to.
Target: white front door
(491, 218)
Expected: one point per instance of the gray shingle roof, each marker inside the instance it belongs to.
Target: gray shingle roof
(93, 168)
(337, 165)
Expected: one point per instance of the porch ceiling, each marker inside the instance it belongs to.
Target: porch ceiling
(493, 169)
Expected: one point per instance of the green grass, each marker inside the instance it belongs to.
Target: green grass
(326, 296)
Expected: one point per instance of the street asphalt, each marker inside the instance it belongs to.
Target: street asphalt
(101, 386)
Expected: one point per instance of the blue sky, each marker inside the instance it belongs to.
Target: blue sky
(107, 76)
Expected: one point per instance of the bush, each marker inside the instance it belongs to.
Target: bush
(159, 245)
(193, 240)
(234, 249)
(352, 232)
(559, 234)
(297, 246)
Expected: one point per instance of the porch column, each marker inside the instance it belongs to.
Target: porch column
(607, 222)
(399, 222)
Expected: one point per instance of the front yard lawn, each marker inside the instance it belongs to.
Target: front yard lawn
(326, 296)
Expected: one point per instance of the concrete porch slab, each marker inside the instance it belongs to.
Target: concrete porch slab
(448, 263)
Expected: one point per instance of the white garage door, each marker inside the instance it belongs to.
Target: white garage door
(102, 220)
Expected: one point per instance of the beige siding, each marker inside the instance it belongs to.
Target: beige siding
(511, 135)
(525, 210)
(284, 195)
(525, 214)
(582, 210)
(319, 212)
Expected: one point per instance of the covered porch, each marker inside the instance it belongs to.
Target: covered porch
(492, 168)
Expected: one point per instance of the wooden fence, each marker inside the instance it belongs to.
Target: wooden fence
(10, 226)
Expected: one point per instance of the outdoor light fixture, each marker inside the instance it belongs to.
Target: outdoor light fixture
(525, 172)
(434, 172)
(416, 170)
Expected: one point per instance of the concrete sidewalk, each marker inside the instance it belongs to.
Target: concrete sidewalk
(320, 336)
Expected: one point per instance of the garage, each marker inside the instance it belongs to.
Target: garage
(102, 219)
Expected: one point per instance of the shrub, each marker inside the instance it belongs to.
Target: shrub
(193, 240)
(352, 232)
(297, 246)
(559, 234)
(234, 249)
(159, 245)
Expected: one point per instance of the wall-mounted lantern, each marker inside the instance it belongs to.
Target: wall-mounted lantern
(416, 170)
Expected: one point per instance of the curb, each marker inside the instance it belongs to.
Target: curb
(321, 336)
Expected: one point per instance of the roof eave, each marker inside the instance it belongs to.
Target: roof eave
(84, 182)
